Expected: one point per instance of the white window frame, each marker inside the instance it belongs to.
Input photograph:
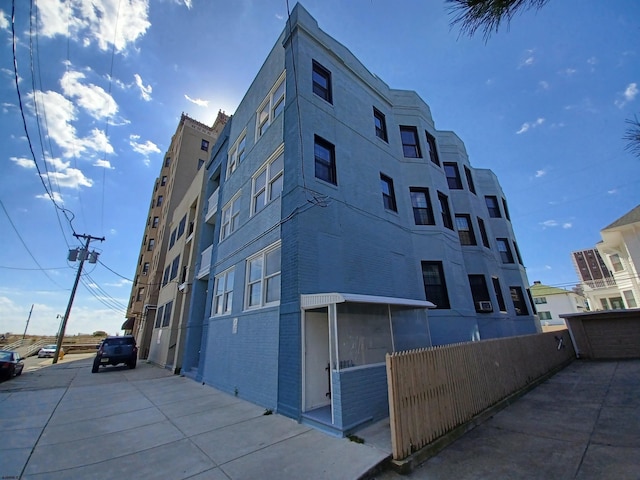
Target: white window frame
(270, 178)
(222, 300)
(237, 152)
(263, 279)
(229, 217)
(269, 105)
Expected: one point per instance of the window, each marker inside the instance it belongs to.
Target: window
(165, 277)
(200, 163)
(544, 315)
(492, 206)
(517, 250)
(388, 194)
(322, 82)
(517, 297)
(453, 176)
(204, 145)
(467, 173)
(483, 233)
(163, 181)
(237, 153)
(156, 221)
(145, 268)
(263, 278)
(480, 293)
(223, 293)
(435, 287)
(630, 299)
(431, 145)
(140, 294)
(267, 184)
(444, 210)
(616, 263)
(271, 106)
(604, 303)
(380, 124)
(167, 161)
(159, 201)
(539, 300)
(151, 244)
(422, 211)
(496, 286)
(172, 239)
(159, 315)
(325, 159)
(506, 210)
(230, 214)
(174, 267)
(465, 230)
(410, 145)
(181, 226)
(166, 318)
(505, 250)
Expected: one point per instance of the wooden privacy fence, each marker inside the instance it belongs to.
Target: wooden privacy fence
(434, 390)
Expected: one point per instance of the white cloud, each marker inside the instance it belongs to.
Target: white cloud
(23, 162)
(540, 173)
(119, 284)
(197, 101)
(56, 197)
(592, 61)
(104, 164)
(98, 103)
(549, 223)
(109, 23)
(61, 113)
(567, 225)
(567, 72)
(527, 125)
(279, 17)
(4, 23)
(145, 148)
(543, 84)
(612, 191)
(145, 92)
(528, 59)
(628, 95)
(66, 176)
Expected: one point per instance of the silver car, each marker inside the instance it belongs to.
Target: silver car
(49, 351)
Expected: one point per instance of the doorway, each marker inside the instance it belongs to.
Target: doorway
(317, 361)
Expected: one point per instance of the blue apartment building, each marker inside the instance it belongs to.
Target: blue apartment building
(341, 225)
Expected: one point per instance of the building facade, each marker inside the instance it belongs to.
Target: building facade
(181, 173)
(551, 302)
(609, 272)
(341, 225)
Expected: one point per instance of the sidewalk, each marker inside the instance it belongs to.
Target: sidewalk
(62, 422)
(582, 423)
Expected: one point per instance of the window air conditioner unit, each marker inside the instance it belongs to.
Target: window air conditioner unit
(144, 273)
(485, 307)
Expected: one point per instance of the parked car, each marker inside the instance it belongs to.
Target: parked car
(50, 351)
(10, 364)
(116, 350)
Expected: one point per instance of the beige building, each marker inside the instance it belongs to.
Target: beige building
(165, 258)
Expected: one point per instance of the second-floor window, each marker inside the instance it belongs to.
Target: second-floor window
(263, 278)
(421, 203)
(325, 160)
(223, 296)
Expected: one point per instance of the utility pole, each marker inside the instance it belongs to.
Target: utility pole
(73, 254)
(27, 325)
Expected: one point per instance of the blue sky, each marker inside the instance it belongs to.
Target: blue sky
(542, 103)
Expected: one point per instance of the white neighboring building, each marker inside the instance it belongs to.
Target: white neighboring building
(620, 250)
(551, 302)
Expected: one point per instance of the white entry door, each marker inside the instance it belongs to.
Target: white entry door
(316, 359)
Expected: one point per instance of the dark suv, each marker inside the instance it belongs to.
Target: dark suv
(116, 350)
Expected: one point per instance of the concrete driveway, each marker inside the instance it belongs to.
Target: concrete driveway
(62, 422)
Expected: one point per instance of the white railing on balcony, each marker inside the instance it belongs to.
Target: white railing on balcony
(606, 282)
(212, 205)
(205, 262)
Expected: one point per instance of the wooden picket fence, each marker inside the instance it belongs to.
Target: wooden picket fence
(432, 391)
